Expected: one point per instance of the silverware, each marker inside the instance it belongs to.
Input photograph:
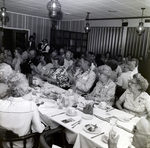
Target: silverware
(104, 119)
(97, 135)
(76, 124)
(57, 114)
(127, 130)
(109, 109)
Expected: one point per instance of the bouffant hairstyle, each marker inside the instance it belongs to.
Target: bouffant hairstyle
(113, 64)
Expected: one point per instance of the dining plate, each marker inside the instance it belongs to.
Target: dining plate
(69, 114)
(105, 138)
(96, 131)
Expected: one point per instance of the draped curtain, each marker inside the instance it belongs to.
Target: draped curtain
(105, 39)
(137, 45)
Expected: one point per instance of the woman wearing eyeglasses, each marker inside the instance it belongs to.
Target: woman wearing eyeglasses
(135, 100)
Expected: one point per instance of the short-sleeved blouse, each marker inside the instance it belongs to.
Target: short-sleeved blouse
(140, 105)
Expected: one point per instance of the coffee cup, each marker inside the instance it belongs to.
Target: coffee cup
(103, 105)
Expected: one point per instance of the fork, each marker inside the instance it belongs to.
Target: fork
(75, 124)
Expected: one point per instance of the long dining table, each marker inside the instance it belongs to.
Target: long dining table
(53, 116)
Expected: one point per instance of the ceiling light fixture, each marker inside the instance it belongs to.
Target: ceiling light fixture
(53, 7)
(140, 29)
(4, 15)
(87, 26)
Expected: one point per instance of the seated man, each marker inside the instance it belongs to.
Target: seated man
(141, 137)
(135, 100)
(19, 115)
(86, 80)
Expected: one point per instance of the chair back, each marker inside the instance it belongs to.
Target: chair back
(46, 138)
(11, 137)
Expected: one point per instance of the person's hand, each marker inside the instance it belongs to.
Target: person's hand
(89, 97)
(71, 79)
(113, 139)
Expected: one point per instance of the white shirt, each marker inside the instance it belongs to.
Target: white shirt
(20, 116)
(67, 63)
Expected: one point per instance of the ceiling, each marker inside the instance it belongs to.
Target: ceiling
(77, 9)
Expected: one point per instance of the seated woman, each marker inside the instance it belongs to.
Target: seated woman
(135, 100)
(8, 57)
(67, 60)
(17, 60)
(58, 74)
(44, 66)
(105, 87)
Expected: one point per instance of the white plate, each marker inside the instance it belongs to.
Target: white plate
(97, 130)
(104, 138)
(75, 113)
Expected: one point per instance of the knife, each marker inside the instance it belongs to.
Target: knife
(97, 135)
(57, 114)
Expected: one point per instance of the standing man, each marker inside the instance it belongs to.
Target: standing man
(45, 48)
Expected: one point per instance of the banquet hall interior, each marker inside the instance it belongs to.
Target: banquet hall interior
(74, 74)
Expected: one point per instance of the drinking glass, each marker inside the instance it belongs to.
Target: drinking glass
(113, 123)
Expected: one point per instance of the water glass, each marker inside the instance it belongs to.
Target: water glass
(113, 122)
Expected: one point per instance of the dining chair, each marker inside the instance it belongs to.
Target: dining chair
(47, 137)
(11, 137)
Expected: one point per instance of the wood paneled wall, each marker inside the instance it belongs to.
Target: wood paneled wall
(77, 26)
(100, 39)
(105, 39)
(137, 45)
(41, 26)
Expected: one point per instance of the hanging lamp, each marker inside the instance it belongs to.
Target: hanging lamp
(53, 7)
(4, 15)
(140, 29)
(87, 26)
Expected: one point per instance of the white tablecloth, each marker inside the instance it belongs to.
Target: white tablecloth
(77, 135)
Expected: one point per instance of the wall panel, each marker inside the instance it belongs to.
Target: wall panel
(103, 39)
(77, 26)
(137, 45)
(41, 26)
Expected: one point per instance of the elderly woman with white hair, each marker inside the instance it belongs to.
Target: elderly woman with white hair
(135, 100)
(19, 85)
(105, 87)
(5, 72)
